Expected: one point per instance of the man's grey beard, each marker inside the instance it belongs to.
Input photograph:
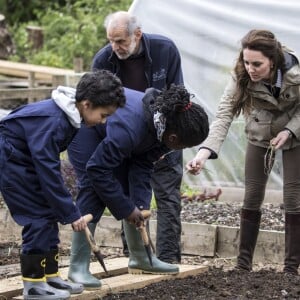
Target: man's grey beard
(130, 51)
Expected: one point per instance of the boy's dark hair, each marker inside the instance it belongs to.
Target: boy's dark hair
(186, 119)
(101, 88)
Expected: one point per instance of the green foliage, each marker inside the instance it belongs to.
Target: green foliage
(72, 30)
(187, 190)
(19, 11)
(184, 190)
(153, 204)
(107, 212)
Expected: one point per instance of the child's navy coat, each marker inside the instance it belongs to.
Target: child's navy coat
(114, 164)
(31, 139)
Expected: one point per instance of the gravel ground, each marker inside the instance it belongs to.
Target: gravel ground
(220, 213)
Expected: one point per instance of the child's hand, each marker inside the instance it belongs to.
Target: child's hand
(79, 224)
(136, 218)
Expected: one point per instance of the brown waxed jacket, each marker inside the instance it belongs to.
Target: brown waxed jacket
(268, 116)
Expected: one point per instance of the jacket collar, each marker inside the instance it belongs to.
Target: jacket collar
(292, 73)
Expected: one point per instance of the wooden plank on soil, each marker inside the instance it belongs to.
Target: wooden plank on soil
(126, 282)
(13, 286)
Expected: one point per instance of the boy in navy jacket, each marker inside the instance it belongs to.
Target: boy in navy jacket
(31, 140)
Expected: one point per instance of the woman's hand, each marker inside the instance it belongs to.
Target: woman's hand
(281, 138)
(197, 163)
(136, 218)
(79, 224)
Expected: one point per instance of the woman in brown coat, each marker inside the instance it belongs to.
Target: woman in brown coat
(265, 88)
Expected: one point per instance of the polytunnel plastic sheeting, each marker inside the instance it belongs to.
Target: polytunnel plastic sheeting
(207, 34)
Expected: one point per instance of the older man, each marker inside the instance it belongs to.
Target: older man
(143, 60)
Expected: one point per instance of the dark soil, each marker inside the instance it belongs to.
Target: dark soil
(216, 284)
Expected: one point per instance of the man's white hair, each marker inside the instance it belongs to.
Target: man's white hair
(124, 18)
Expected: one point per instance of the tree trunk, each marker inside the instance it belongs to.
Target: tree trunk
(7, 46)
(78, 64)
(35, 37)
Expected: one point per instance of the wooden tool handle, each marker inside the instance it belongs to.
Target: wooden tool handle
(88, 218)
(144, 235)
(91, 239)
(146, 213)
(95, 248)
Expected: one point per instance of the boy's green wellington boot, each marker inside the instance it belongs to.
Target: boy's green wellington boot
(80, 260)
(138, 259)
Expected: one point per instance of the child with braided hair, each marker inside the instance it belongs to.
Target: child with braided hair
(114, 166)
(175, 105)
